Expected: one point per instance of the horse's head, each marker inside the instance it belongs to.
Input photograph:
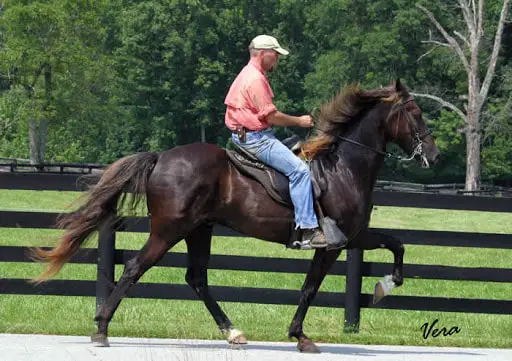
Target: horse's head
(405, 126)
(390, 108)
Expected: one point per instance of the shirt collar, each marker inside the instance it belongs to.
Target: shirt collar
(255, 64)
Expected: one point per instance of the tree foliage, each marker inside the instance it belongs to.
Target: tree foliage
(99, 79)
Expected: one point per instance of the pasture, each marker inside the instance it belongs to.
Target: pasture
(190, 319)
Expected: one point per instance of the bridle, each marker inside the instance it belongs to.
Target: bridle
(418, 148)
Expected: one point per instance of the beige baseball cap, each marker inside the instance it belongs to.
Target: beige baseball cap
(267, 42)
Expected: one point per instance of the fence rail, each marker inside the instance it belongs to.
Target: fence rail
(38, 220)
(284, 265)
(77, 169)
(106, 256)
(262, 296)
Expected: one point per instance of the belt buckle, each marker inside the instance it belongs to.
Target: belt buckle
(241, 132)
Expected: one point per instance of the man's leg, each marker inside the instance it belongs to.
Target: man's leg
(281, 158)
(271, 151)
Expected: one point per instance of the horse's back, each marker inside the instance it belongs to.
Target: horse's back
(184, 182)
(194, 155)
(189, 166)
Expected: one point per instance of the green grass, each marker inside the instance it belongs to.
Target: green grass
(190, 319)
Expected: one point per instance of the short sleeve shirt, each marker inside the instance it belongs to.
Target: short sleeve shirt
(249, 100)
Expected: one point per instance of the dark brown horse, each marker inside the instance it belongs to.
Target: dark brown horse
(191, 187)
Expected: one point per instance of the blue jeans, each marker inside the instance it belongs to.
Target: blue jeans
(267, 148)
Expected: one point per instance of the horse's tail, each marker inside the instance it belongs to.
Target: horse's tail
(100, 206)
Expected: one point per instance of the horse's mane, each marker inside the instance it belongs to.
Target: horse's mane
(345, 107)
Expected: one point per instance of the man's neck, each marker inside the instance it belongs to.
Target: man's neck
(257, 64)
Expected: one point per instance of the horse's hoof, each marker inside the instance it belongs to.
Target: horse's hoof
(235, 346)
(99, 340)
(379, 293)
(307, 346)
(236, 337)
(383, 288)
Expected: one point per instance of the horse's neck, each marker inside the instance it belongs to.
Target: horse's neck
(363, 163)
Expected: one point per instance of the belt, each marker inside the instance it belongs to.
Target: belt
(250, 131)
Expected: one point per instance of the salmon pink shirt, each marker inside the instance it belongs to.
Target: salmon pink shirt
(249, 100)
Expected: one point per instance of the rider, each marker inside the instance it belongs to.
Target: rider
(250, 115)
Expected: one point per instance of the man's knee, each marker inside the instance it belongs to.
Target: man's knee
(302, 171)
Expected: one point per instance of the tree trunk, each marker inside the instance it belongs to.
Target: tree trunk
(33, 142)
(38, 129)
(473, 135)
(473, 143)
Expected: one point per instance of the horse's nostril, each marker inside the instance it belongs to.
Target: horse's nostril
(437, 158)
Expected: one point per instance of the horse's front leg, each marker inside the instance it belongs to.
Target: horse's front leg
(373, 240)
(322, 262)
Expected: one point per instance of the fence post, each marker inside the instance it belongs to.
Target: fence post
(106, 263)
(353, 284)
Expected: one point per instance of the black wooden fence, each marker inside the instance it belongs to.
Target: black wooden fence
(106, 256)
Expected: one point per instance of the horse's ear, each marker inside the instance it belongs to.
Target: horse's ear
(398, 85)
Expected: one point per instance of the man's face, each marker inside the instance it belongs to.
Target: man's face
(269, 59)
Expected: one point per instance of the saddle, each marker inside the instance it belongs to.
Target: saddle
(275, 183)
(277, 186)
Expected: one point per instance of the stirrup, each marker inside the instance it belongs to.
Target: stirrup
(339, 245)
(302, 245)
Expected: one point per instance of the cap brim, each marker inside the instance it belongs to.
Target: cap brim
(282, 51)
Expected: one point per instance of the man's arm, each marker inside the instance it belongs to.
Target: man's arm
(260, 94)
(279, 118)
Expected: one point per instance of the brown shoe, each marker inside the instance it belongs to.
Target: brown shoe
(314, 237)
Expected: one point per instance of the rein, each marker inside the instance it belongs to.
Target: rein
(417, 151)
(385, 154)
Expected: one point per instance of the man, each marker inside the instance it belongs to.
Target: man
(251, 114)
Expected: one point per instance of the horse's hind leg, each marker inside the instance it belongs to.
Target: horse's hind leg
(199, 245)
(150, 254)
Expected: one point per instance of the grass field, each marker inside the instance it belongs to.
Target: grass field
(190, 319)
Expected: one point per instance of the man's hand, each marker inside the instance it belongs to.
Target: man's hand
(306, 121)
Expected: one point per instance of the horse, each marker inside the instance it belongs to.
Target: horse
(190, 188)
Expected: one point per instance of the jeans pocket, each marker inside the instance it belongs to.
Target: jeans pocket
(252, 138)
(251, 144)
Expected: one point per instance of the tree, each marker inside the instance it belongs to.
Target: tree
(31, 33)
(469, 47)
(497, 154)
(52, 49)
